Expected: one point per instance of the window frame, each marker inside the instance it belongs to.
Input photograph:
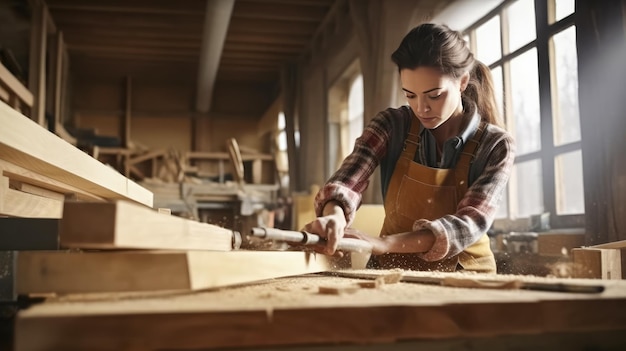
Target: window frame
(546, 27)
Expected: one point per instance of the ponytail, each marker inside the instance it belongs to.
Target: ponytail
(480, 90)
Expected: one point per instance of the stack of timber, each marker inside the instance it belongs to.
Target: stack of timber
(117, 242)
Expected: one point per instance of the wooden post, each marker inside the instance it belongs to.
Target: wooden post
(58, 79)
(37, 72)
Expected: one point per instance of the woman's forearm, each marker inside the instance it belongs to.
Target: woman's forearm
(409, 242)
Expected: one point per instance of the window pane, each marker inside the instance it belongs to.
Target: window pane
(355, 98)
(564, 8)
(529, 188)
(566, 117)
(488, 45)
(525, 102)
(281, 121)
(521, 23)
(282, 141)
(568, 180)
(496, 74)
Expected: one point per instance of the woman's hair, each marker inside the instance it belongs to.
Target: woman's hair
(440, 47)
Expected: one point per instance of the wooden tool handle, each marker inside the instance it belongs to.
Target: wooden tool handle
(306, 238)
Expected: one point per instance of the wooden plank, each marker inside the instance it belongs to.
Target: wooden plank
(35, 190)
(15, 86)
(126, 119)
(32, 147)
(124, 225)
(37, 72)
(290, 311)
(20, 204)
(612, 245)
(591, 262)
(58, 88)
(19, 174)
(124, 271)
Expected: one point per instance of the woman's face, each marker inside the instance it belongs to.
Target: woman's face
(433, 96)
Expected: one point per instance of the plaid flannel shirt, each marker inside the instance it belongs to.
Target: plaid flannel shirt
(476, 210)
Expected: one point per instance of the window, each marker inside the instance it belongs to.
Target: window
(354, 124)
(345, 115)
(282, 163)
(532, 55)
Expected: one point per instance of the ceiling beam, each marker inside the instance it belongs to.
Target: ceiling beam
(281, 12)
(216, 21)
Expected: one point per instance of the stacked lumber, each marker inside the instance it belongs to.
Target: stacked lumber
(603, 261)
(108, 237)
(126, 247)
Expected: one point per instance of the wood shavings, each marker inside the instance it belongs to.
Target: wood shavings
(394, 276)
(338, 290)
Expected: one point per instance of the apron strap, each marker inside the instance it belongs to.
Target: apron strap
(465, 159)
(412, 141)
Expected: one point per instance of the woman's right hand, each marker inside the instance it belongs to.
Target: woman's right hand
(331, 225)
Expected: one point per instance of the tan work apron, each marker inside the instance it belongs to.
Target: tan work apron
(417, 191)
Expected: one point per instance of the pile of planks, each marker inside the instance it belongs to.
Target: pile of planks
(70, 224)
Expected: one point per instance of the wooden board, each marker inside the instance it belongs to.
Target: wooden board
(30, 146)
(22, 204)
(592, 262)
(24, 176)
(15, 86)
(612, 245)
(125, 225)
(106, 271)
(291, 311)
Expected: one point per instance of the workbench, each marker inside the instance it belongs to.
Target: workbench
(290, 313)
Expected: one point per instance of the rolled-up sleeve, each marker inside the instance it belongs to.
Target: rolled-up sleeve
(347, 185)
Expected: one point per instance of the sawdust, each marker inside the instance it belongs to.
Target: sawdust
(302, 292)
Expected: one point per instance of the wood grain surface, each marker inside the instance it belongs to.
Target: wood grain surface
(291, 311)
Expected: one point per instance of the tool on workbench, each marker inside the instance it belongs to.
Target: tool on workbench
(237, 240)
(308, 239)
(454, 280)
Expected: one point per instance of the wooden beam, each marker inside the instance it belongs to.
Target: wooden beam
(119, 271)
(283, 12)
(24, 176)
(27, 145)
(15, 86)
(130, 50)
(37, 72)
(591, 262)
(120, 5)
(265, 47)
(279, 38)
(126, 119)
(21, 204)
(130, 40)
(69, 21)
(35, 190)
(261, 26)
(57, 79)
(216, 23)
(124, 225)
(117, 34)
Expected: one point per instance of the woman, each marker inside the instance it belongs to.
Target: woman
(445, 161)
